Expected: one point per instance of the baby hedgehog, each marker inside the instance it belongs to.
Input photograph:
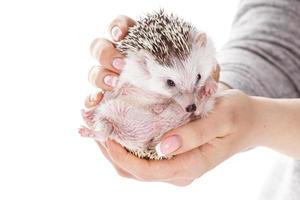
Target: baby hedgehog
(166, 82)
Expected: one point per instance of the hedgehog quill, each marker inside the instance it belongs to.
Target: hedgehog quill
(166, 83)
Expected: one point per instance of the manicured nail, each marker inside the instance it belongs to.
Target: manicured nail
(118, 63)
(168, 145)
(116, 33)
(110, 80)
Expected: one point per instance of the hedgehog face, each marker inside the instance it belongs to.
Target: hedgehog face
(183, 79)
(180, 79)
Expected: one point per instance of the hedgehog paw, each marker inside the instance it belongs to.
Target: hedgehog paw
(210, 88)
(86, 132)
(88, 116)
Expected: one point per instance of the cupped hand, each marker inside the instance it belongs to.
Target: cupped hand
(196, 147)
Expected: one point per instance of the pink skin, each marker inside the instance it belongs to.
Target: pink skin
(86, 132)
(209, 88)
(159, 108)
(138, 127)
(88, 116)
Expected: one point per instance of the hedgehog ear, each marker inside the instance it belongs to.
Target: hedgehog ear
(139, 60)
(142, 61)
(201, 39)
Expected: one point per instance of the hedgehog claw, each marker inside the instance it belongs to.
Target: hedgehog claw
(85, 132)
(88, 116)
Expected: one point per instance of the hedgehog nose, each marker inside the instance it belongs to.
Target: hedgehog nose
(191, 108)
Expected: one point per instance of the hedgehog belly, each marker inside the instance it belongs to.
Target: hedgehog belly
(148, 154)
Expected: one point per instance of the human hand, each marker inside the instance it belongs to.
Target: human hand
(202, 144)
(111, 61)
(197, 147)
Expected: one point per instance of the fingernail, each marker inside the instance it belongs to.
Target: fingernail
(168, 145)
(116, 33)
(118, 63)
(110, 80)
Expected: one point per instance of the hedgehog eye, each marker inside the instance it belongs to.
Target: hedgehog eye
(170, 83)
(198, 78)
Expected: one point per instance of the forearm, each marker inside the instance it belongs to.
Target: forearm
(278, 124)
(262, 59)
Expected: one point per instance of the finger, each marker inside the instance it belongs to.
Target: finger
(216, 73)
(189, 165)
(104, 51)
(216, 151)
(147, 170)
(93, 99)
(103, 78)
(119, 170)
(193, 134)
(119, 27)
(193, 164)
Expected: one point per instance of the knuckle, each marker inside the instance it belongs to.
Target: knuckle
(94, 47)
(100, 47)
(105, 53)
(92, 74)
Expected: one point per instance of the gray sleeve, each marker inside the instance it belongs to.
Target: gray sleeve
(262, 56)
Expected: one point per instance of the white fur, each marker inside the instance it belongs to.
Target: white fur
(141, 70)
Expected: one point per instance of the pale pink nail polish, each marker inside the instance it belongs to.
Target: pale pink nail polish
(168, 145)
(116, 33)
(118, 63)
(110, 80)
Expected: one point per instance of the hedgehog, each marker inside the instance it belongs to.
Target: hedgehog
(166, 82)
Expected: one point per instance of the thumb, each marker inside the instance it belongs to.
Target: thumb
(190, 136)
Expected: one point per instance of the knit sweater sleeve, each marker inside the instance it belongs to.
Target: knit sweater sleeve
(262, 56)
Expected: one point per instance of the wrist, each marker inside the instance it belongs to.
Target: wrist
(245, 122)
(239, 119)
(223, 86)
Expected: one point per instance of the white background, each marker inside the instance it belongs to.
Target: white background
(44, 60)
